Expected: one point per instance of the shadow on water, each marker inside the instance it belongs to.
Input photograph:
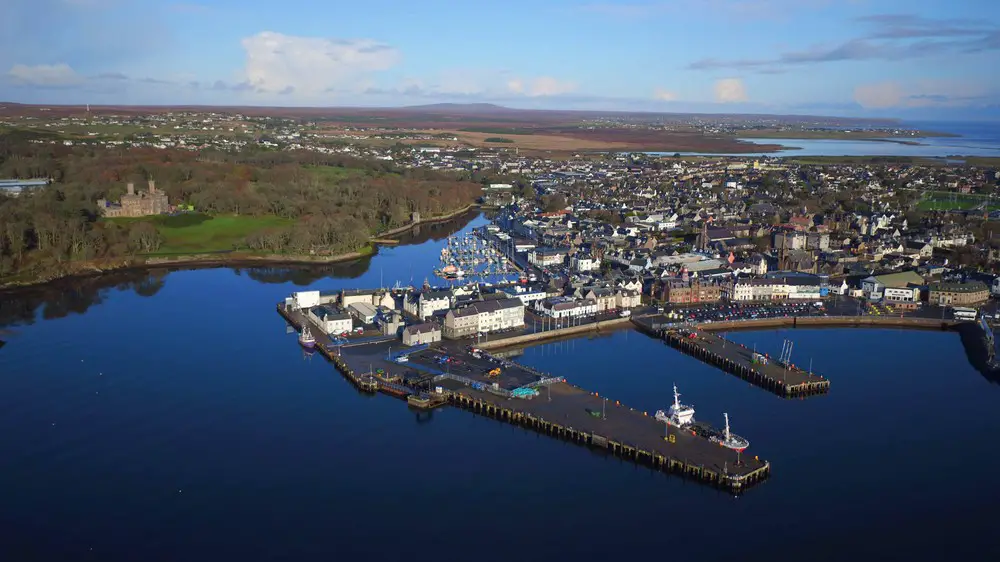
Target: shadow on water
(978, 351)
(76, 295)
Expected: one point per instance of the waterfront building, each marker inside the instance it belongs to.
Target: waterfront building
(628, 298)
(331, 321)
(363, 311)
(564, 307)
(895, 287)
(684, 291)
(423, 305)
(389, 321)
(604, 297)
(484, 317)
(133, 204)
(526, 295)
(418, 334)
(958, 294)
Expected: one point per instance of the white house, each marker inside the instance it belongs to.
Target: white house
(586, 263)
(331, 322)
(526, 295)
(562, 307)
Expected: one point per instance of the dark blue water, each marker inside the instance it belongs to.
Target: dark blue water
(173, 418)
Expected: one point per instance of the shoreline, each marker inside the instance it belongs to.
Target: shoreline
(96, 268)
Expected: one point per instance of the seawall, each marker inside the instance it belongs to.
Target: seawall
(614, 324)
(830, 322)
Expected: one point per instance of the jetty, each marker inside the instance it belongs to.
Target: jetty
(449, 374)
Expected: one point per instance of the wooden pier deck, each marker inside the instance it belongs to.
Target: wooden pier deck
(568, 412)
(565, 411)
(788, 381)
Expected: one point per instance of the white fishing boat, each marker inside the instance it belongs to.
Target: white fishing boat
(678, 415)
(729, 439)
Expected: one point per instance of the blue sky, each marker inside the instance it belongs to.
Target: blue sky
(908, 58)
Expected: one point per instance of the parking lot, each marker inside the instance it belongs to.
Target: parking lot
(722, 312)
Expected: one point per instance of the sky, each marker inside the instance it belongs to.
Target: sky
(894, 58)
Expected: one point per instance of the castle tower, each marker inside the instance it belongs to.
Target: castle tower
(131, 188)
(152, 187)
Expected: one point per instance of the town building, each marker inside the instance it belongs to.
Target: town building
(958, 294)
(545, 257)
(423, 305)
(527, 295)
(895, 287)
(132, 204)
(564, 307)
(330, 320)
(681, 291)
(363, 311)
(484, 317)
(418, 334)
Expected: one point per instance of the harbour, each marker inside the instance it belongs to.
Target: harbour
(556, 408)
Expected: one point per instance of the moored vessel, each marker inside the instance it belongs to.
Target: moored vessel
(729, 439)
(678, 415)
(306, 338)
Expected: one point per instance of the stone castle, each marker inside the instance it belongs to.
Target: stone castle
(134, 204)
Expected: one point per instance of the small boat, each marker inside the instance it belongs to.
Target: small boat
(730, 440)
(306, 338)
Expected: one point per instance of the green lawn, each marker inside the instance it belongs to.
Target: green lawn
(945, 201)
(197, 233)
(334, 173)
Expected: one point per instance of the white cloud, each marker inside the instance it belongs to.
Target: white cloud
(541, 86)
(313, 65)
(879, 95)
(730, 90)
(45, 75)
(664, 95)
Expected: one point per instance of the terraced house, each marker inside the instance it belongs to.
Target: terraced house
(484, 317)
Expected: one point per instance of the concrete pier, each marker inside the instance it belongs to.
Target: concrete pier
(560, 410)
(756, 368)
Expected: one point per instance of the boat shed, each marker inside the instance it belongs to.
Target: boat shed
(365, 312)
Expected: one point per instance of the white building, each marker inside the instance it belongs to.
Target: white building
(484, 317)
(526, 295)
(331, 322)
(562, 307)
(363, 311)
(544, 257)
(425, 304)
(586, 263)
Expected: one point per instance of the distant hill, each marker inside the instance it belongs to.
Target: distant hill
(477, 108)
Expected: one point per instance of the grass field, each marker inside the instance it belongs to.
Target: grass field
(197, 233)
(949, 201)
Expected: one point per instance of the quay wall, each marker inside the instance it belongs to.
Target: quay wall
(829, 321)
(733, 481)
(554, 334)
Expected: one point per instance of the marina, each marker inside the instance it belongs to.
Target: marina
(471, 379)
(472, 256)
